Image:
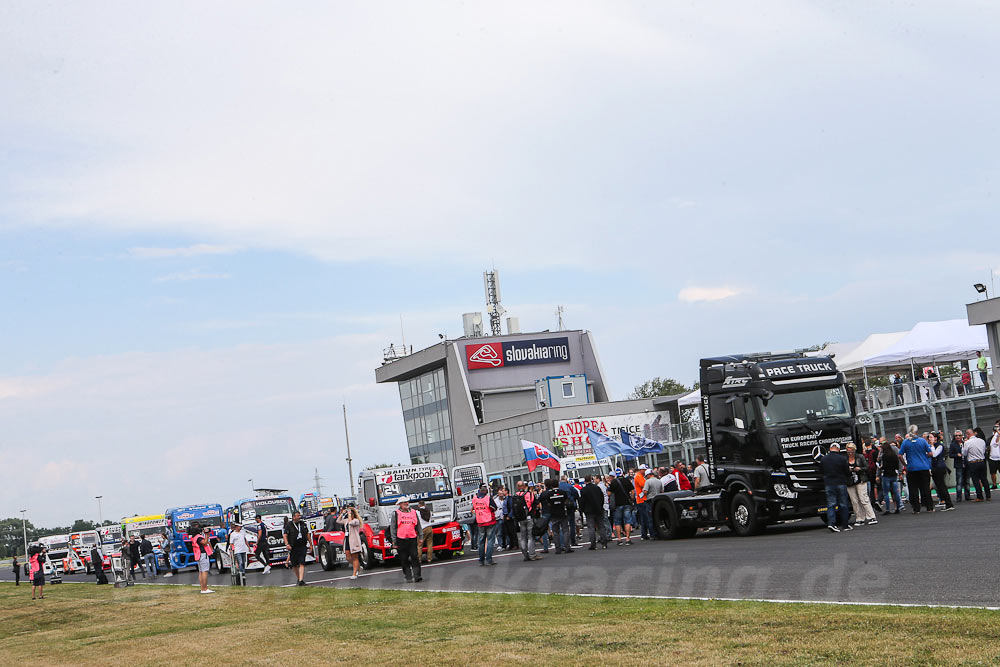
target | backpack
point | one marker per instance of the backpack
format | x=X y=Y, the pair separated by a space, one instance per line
x=519 y=507
x=557 y=504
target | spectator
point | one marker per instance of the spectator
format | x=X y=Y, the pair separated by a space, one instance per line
x=958 y=464
x=642 y=509
x=296 y=536
x=239 y=548
x=857 y=488
x=680 y=474
x=701 y=477
x=17 y=572
x=97 y=561
x=897 y=389
x=426 y=540
x=939 y=470
x=261 y=550
x=202 y=548
x=521 y=509
x=652 y=488
x=404 y=528
x=603 y=483
x=592 y=506
x=621 y=493
x=871 y=458
x=994 y=457
x=484 y=509
x=168 y=564
x=330 y=522
x=541 y=517
x=965 y=387
x=573 y=498
x=135 y=556
x=557 y=502
x=351 y=520
x=836 y=476
x=125 y=553
x=37 y=563
x=503 y=523
x=916 y=456
x=974 y=453
x=148 y=557
x=981 y=366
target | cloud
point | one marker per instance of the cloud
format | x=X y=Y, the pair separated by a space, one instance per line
x=196 y=250
x=191 y=274
x=696 y=294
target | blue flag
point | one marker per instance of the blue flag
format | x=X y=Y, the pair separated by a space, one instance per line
x=639 y=445
x=603 y=446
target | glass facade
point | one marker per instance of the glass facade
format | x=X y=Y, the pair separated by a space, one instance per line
x=425 y=415
x=502 y=449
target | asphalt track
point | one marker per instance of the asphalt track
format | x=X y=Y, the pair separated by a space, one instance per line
x=943 y=558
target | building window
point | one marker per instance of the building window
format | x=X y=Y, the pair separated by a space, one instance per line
x=468 y=449
x=567 y=390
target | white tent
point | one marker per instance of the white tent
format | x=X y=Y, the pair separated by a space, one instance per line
x=932 y=342
x=691 y=400
x=835 y=350
x=869 y=347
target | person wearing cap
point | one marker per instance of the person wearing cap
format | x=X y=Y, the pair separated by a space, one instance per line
x=642 y=509
x=404 y=527
x=836 y=476
x=239 y=548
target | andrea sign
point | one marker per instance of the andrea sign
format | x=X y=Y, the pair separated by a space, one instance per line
x=517 y=353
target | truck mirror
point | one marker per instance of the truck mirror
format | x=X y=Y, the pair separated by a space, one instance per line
x=371 y=502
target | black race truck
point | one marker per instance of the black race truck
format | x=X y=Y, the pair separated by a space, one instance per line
x=767 y=419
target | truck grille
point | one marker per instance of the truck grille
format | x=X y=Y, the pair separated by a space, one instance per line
x=803 y=469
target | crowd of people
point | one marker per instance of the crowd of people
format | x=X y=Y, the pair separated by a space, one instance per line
x=886 y=474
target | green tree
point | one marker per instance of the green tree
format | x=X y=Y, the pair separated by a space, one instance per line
x=81 y=525
x=12 y=538
x=658 y=387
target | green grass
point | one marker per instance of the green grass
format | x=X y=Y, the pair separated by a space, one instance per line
x=86 y=624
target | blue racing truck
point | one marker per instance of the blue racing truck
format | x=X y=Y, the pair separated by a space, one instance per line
x=179 y=520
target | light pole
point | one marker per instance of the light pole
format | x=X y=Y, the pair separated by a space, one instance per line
x=24 y=530
x=100 y=514
x=251 y=483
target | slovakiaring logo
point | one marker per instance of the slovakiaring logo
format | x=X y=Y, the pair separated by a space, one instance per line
x=516 y=353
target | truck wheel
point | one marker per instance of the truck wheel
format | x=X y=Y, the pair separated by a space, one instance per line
x=743 y=516
x=366 y=556
x=218 y=563
x=665 y=520
x=327 y=558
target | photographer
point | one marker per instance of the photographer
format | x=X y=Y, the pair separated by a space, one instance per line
x=37 y=561
x=201 y=545
x=351 y=521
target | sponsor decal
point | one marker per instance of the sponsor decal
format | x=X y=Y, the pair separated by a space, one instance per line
x=517 y=353
x=791 y=369
x=185 y=515
x=735 y=382
x=410 y=474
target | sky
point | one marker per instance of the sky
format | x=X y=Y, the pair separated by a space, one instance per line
x=213 y=218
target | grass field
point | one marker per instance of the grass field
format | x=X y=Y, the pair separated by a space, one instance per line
x=85 y=624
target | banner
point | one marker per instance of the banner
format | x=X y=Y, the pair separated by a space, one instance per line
x=603 y=446
x=571 y=434
x=640 y=445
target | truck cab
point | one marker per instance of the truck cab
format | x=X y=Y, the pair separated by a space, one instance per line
x=381 y=488
x=767 y=418
x=274 y=509
x=82 y=543
x=111 y=541
x=63 y=558
x=179 y=520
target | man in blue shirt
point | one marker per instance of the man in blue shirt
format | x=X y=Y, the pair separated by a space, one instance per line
x=916 y=454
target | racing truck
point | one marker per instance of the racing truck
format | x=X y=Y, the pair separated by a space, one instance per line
x=767 y=419
x=82 y=543
x=327 y=546
x=382 y=488
x=179 y=519
x=274 y=507
x=111 y=540
x=64 y=559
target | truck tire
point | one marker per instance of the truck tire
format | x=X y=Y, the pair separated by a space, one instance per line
x=367 y=562
x=743 y=516
x=667 y=523
x=327 y=555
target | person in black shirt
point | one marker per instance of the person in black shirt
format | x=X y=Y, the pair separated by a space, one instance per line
x=135 y=557
x=836 y=477
x=621 y=491
x=556 y=502
x=592 y=506
x=17 y=572
x=297 y=541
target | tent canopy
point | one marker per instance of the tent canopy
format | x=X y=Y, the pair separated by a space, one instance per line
x=691 y=400
x=837 y=351
x=869 y=347
x=932 y=342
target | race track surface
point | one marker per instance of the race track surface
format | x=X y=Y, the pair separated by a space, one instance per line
x=942 y=558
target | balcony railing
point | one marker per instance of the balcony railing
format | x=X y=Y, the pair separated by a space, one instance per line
x=921 y=392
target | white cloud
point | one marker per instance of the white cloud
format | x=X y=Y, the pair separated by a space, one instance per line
x=191 y=274
x=696 y=294
x=196 y=250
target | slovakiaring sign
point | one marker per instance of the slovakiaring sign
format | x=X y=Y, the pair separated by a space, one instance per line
x=571 y=434
x=517 y=353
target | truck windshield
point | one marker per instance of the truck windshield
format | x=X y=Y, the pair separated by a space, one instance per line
x=268 y=507
x=88 y=540
x=182 y=525
x=58 y=546
x=805 y=406
x=147 y=530
x=414 y=489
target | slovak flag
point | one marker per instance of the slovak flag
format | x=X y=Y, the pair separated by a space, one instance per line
x=536 y=455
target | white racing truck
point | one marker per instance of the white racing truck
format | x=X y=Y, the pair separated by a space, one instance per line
x=449 y=499
x=64 y=559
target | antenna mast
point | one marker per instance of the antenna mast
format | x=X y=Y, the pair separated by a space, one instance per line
x=491 y=285
x=319 y=489
x=347 y=439
x=559 y=319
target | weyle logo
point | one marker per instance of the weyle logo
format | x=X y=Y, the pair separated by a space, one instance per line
x=735 y=381
x=486 y=355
